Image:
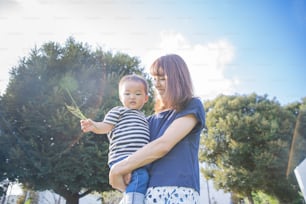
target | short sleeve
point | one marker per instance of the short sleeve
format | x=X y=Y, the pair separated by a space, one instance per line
x=195 y=107
x=113 y=116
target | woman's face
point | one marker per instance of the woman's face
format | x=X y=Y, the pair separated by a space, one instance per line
x=160 y=83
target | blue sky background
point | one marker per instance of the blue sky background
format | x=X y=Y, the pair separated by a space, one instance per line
x=230 y=46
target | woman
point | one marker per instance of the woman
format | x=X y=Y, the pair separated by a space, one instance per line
x=175 y=131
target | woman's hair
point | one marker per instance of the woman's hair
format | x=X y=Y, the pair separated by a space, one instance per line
x=135 y=78
x=179 y=88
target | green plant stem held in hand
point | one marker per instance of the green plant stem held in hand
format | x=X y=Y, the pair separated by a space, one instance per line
x=74 y=109
x=76 y=112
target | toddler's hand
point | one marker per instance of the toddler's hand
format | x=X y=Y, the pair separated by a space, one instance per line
x=86 y=125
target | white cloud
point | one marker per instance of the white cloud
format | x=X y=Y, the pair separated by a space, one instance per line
x=207 y=62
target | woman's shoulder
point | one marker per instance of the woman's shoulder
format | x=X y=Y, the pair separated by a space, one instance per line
x=194 y=106
x=195 y=101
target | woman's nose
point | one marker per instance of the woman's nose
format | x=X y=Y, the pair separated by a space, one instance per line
x=157 y=82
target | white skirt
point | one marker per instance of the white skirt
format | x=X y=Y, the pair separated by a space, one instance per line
x=171 y=195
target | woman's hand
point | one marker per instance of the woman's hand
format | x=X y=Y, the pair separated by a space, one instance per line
x=127 y=178
x=118 y=180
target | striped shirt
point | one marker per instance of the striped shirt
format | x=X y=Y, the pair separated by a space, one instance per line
x=130 y=132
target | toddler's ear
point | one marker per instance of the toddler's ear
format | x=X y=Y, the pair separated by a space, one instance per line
x=147 y=98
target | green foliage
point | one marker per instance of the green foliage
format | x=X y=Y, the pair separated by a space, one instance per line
x=111 y=197
x=260 y=197
x=44 y=145
x=246 y=146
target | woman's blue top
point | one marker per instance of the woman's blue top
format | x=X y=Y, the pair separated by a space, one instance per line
x=180 y=167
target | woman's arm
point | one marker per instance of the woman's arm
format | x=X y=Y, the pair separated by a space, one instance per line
x=152 y=151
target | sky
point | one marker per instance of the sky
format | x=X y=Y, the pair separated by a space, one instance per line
x=230 y=46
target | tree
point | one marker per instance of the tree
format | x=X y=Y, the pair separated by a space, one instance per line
x=246 y=145
x=297 y=149
x=47 y=149
x=4 y=171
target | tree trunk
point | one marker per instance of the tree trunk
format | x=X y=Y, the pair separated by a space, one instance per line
x=250 y=198
x=72 y=199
